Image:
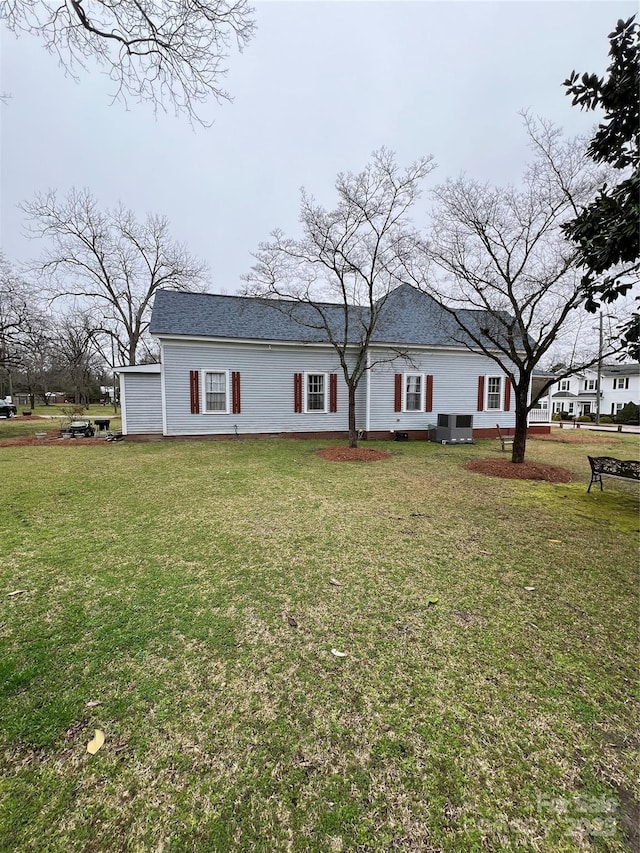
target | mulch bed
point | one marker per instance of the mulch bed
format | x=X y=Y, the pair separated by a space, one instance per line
x=352 y=454
x=523 y=471
x=574 y=437
x=52 y=437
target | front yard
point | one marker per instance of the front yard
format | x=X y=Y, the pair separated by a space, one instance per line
x=187 y=599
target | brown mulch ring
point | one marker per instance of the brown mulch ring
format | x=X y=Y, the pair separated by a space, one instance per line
x=523 y=471
x=52 y=437
x=575 y=436
x=352 y=454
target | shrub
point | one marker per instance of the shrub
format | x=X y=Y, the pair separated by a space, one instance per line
x=605 y=419
x=584 y=419
x=629 y=414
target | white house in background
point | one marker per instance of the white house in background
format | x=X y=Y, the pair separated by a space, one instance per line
x=578 y=394
x=233 y=365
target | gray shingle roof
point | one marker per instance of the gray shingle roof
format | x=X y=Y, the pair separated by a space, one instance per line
x=631 y=369
x=408 y=317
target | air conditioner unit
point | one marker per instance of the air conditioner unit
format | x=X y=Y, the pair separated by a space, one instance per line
x=454 y=429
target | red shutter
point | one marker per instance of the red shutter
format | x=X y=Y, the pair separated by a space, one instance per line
x=235 y=392
x=480 y=393
x=333 y=392
x=397 y=402
x=297 y=392
x=428 y=394
x=507 y=393
x=194 y=389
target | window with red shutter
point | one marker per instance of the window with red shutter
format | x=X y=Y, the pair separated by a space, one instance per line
x=194 y=390
x=428 y=394
x=235 y=392
x=333 y=392
x=480 y=393
x=397 y=397
x=507 y=394
x=297 y=392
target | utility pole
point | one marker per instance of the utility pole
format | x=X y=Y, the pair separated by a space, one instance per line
x=113 y=376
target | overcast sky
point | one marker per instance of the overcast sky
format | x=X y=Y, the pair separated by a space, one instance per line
x=320 y=87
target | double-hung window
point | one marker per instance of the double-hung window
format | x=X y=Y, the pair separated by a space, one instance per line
x=216 y=394
x=589 y=384
x=621 y=382
x=315 y=398
x=413 y=392
x=494 y=392
x=564 y=385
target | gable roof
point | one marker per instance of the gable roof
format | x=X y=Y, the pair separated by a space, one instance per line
x=631 y=369
x=407 y=317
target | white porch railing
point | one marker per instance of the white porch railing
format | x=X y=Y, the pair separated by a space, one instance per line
x=539 y=416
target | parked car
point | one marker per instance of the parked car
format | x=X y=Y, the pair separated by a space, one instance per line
x=7 y=409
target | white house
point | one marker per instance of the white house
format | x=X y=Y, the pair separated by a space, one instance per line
x=578 y=394
x=233 y=365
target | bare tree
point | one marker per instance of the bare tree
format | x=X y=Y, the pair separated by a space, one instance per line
x=76 y=362
x=501 y=251
x=17 y=307
x=337 y=276
x=110 y=264
x=173 y=52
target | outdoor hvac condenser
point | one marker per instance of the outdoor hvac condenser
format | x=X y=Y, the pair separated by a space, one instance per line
x=454 y=429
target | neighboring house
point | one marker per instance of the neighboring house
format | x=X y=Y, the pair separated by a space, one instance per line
x=540 y=412
x=577 y=395
x=233 y=365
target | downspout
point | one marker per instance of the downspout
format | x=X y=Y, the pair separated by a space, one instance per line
x=163 y=396
x=367 y=416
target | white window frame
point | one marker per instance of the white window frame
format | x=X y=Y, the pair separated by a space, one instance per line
x=564 y=385
x=227 y=408
x=621 y=383
x=500 y=406
x=305 y=392
x=589 y=384
x=405 y=377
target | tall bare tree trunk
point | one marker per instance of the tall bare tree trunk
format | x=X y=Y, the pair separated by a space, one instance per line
x=353 y=433
x=520 y=434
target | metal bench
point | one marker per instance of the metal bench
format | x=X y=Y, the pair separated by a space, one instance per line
x=607 y=466
x=505 y=440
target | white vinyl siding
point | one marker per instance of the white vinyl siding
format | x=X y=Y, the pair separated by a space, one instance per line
x=142 y=397
x=455 y=389
x=267 y=386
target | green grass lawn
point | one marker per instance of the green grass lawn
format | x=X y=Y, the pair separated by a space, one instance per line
x=156 y=581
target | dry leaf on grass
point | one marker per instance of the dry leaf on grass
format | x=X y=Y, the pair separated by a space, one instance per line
x=92 y=703
x=555 y=541
x=529 y=588
x=15 y=592
x=334 y=582
x=94 y=745
x=432 y=599
x=338 y=654
x=292 y=621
